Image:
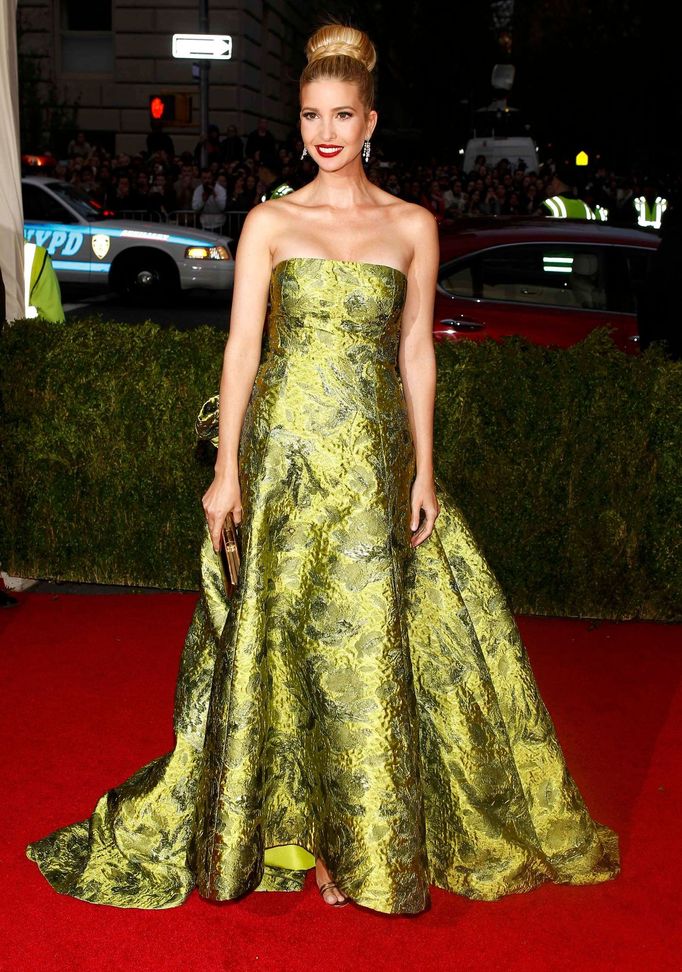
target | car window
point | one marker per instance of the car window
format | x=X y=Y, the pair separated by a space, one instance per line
x=41 y=206
x=551 y=274
x=78 y=200
x=638 y=269
x=458 y=279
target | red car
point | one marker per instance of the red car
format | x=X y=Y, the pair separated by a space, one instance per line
x=550 y=281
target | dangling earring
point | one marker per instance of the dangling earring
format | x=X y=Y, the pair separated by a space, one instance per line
x=304 y=153
x=366 y=150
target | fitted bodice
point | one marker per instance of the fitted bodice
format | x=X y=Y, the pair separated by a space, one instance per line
x=330 y=371
x=336 y=305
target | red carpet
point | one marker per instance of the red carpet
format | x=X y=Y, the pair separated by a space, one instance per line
x=88 y=699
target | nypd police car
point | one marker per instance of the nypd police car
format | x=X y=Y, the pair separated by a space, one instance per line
x=134 y=258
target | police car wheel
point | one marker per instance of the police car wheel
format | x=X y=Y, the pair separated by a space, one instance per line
x=146 y=276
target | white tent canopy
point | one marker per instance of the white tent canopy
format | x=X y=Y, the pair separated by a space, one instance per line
x=11 y=214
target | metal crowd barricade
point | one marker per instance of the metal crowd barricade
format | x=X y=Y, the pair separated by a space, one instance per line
x=184 y=217
x=142 y=215
x=232 y=222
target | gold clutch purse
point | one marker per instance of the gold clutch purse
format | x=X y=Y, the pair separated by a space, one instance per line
x=230 y=554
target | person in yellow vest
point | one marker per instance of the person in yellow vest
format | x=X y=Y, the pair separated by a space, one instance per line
x=649 y=208
x=270 y=175
x=42 y=295
x=561 y=201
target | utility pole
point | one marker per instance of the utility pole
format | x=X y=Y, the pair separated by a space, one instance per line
x=203 y=83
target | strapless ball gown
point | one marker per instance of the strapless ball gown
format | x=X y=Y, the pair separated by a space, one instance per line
x=358 y=698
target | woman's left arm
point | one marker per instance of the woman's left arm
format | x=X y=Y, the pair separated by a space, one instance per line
x=417 y=362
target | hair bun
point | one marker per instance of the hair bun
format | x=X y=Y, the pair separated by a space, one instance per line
x=337 y=39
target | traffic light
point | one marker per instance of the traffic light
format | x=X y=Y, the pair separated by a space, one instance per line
x=175 y=109
x=162 y=108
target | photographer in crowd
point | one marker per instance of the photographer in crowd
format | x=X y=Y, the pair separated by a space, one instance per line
x=209 y=201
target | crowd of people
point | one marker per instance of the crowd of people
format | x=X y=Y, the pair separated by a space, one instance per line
x=233 y=173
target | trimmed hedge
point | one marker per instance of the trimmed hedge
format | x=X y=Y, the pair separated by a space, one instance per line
x=564 y=461
x=567 y=464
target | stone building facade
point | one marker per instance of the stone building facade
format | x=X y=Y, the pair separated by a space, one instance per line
x=111 y=56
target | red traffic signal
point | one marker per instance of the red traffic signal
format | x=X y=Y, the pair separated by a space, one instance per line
x=162 y=107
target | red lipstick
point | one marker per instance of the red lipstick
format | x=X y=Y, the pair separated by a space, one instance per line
x=329 y=151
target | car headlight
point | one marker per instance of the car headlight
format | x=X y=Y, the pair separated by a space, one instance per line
x=207 y=253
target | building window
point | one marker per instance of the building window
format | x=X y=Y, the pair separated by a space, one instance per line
x=87 y=40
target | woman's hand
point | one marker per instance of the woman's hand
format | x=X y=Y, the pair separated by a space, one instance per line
x=423 y=498
x=223 y=496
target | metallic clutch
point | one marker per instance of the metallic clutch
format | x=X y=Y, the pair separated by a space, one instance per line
x=230 y=554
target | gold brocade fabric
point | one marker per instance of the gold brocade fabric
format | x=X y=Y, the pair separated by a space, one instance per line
x=358 y=698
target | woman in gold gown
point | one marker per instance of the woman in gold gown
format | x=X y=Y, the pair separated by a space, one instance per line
x=364 y=704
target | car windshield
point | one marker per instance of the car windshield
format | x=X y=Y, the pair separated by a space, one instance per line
x=84 y=206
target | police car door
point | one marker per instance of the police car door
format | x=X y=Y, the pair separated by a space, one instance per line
x=50 y=224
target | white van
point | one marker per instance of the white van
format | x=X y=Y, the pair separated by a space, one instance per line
x=514 y=148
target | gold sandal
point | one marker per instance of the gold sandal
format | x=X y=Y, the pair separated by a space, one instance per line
x=325 y=887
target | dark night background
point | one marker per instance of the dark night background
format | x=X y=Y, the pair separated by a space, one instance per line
x=600 y=75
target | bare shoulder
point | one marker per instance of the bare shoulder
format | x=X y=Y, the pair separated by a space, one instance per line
x=263 y=222
x=259 y=218
x=417 y=219
x=290 y=202
x=402 y=213
x=417 y=227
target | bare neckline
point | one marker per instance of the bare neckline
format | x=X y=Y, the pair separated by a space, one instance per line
x=356 y=263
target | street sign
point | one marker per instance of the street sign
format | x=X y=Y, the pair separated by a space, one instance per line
x=215 y=47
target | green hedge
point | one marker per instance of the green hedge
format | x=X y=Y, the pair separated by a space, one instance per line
x=565 y=462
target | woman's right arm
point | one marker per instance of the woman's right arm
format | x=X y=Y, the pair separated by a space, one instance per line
x=240 y=364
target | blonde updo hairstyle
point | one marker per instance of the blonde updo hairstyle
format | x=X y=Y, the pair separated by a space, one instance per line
x=339 y=53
